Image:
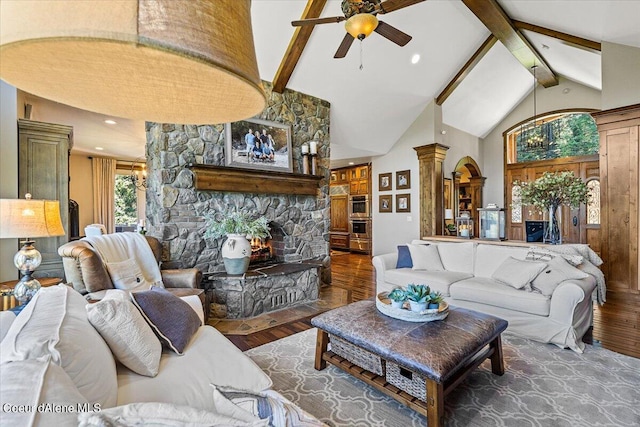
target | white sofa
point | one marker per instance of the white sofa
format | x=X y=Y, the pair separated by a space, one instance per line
x=562 y=318
x=51 y=354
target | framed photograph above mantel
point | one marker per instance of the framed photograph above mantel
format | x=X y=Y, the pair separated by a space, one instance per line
x=258 y=144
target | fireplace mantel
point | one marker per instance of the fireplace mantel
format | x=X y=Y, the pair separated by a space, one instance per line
x=238 y=180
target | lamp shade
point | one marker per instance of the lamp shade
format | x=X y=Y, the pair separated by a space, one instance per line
x=168 y=61
x=361 y=25
x=20 y=218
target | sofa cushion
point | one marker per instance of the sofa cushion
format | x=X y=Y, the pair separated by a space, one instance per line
x=129 y=336
x=484 y=290
x=55 y=325
x=438 y=281
x=425 y=257
x=210 y=358
x=556 y=271
x=404 y=257
x=172 y=319
x=34 y=382
x=489 y=257
x=517 y=273
x=457 y=256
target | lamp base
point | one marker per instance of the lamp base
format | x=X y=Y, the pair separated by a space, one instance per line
x=26 y=288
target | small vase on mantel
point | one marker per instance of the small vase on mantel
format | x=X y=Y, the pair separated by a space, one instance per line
x=236 y=254
x=553 y=231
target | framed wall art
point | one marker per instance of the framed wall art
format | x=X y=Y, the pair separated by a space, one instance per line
x=386 y=203
x=403 y=180
x=258 y=144
x=448 y=188
x=403 y=202
x=385 y=182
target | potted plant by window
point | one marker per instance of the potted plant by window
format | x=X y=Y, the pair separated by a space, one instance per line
x=418 y=296
x=548 y=193
x=238 y=227
x=397 y=296
x=435 y=298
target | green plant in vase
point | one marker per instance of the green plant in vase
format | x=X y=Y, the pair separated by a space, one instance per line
x=435 y=298
x=418 y=296
x=238 y=227
x=397 y=296
x=548 y=193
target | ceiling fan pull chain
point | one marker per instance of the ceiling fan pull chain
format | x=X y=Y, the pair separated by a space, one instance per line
x=361 y=66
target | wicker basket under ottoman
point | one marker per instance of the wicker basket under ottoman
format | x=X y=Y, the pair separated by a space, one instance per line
x=406 y=380
x=357 y=355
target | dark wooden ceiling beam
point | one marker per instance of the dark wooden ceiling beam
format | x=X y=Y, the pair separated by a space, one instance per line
x=498 y=22
x=569 y=38
x=296 y=45
x=466 y=69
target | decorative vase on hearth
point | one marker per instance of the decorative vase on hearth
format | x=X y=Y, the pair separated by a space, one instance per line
x=552 y=232
x=236 y=254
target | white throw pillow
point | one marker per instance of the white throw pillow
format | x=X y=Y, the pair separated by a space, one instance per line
x=54 y=325
x=517 y=273
x=425 y=257
x=34 y=382
x=127 y=275
x=556 y=271
x=160 y=414
x=129 y=336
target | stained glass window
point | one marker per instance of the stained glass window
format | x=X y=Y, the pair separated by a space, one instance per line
x=593 y=207
x=516 y=205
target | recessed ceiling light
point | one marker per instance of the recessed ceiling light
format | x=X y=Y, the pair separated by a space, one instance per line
x=351 y=163
x=110 y=122
x=415 y=58
x=99 y=148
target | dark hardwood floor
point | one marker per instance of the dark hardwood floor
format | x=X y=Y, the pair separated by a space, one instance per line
x=351 y=272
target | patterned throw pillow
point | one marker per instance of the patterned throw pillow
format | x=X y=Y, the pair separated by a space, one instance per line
x=172 y=319
x=556 y=271
x=541 y=254
x=264 y=405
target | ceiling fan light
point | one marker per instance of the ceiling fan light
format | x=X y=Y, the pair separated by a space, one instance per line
x=153 y=60
x=361 y=25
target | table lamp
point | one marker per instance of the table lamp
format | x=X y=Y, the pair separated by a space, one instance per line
x=34 y=218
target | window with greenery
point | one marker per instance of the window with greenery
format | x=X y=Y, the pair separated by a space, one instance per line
x=126 y=201
x=552 y=137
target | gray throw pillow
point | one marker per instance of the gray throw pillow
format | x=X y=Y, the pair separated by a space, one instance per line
x=556 y=271
x=517 y=273
x=173 y=320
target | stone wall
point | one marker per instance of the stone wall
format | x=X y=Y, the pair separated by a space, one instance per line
x=175 y=210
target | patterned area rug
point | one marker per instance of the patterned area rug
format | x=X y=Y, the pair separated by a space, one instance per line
x=543 y=386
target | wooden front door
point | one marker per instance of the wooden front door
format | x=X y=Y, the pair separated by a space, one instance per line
x=575 y=228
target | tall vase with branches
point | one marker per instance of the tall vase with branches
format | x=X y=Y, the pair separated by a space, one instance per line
x=551 y=191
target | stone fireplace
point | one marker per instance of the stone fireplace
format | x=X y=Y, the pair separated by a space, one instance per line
x=299 y=223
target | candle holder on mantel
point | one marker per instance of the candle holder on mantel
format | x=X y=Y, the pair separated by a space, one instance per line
x=305 y=158
x=314 y=163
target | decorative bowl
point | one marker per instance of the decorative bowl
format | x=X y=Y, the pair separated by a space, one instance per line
x=383 y=304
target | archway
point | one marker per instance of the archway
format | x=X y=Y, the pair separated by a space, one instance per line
x=467 y=189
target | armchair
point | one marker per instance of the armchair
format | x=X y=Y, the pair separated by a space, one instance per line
x=85 y=270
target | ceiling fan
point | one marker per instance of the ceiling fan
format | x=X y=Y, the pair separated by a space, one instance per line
x=362 y=21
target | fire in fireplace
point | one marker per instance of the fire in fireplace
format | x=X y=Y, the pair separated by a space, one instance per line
x=268 y=250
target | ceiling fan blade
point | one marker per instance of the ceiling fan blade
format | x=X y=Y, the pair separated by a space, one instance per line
x=391 y=5
x=392 y=33
x=347 y=41
x=315 y=21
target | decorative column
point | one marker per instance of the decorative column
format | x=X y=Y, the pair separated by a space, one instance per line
x=431 y=157
x=476 y=183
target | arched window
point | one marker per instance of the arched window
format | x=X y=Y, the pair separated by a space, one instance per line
x=516 y=204
x=593 y=207
x=553 y=136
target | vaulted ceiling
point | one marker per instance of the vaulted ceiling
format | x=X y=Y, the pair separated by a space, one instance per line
x=371 y=108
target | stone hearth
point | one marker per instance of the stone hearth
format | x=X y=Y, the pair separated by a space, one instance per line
x=262 y=290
